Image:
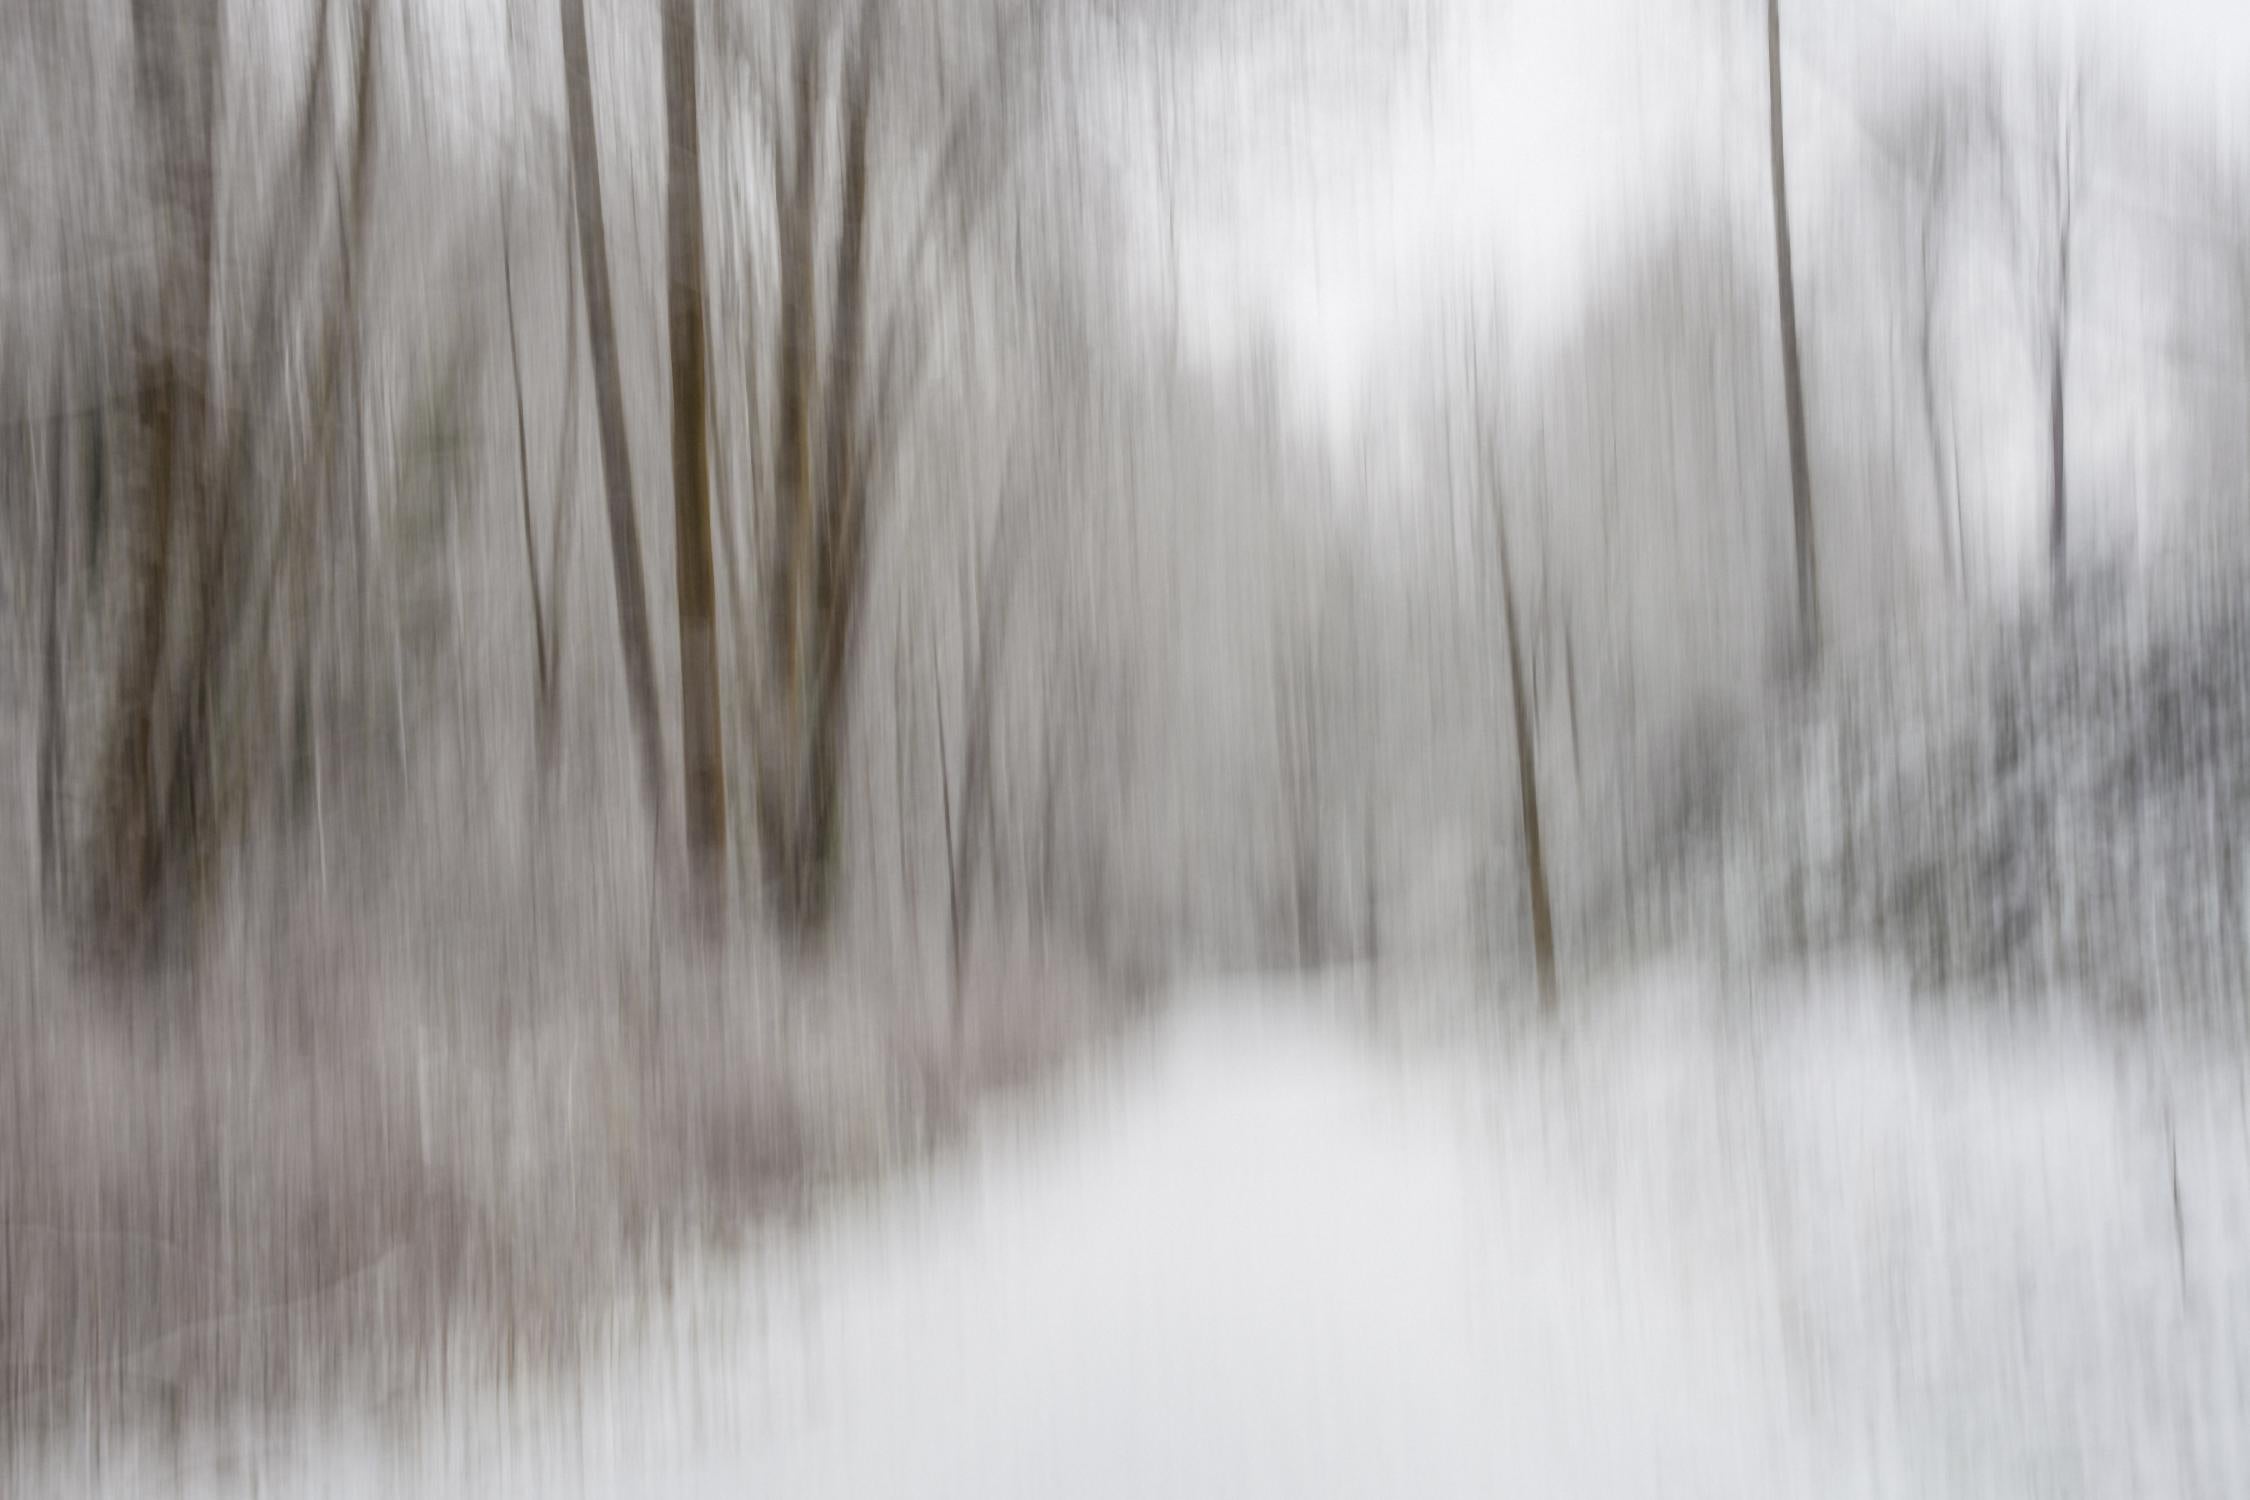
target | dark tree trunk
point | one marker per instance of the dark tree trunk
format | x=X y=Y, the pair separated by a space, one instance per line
x=142 y=824
x=542 y=683
x=703 y=759
x=955 y=917
x=1792 y=368
x=817 y=562
x=609 y=402
x=1527 y=790
x=54 y=863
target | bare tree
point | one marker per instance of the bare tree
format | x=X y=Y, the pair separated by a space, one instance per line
x=176 y=74
x=1527 y=778
x=703 y=774
x=541 y=639
x=2061 y=230
x=1934 y=167
x=1792 y=367
x=609 y=403
x=1521 y=713
x=193 y=721
x=65 y=483
x=988 y=604
x=1302 y=726
x=2039 y=183
x=838 y=412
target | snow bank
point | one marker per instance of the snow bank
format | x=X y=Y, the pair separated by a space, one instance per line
x=1686 y=1246
x=2056 y=807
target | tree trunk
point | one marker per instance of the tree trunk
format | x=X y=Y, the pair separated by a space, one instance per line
x=817 y=560
x=562 y=532
x=1792 y=369
x=2058 y=516
x=973 y=854
x=901 y=718
x=1948 y=505
x=794 y=852
x=609 y=402
x=140 y=829
x=54 y=865
x=1370 y=890
x=542 y=684
x=703 y=762
x=1960 y=526
x=1527 y=789
x=956 y=919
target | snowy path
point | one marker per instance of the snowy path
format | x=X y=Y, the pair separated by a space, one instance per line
x=1259 y=1255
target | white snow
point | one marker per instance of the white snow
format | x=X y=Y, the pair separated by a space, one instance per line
x=1679 y=1247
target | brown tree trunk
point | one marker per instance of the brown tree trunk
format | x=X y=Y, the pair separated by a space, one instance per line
x=1792 y=369
x=1527 y=790
x=703 y=761
x=609 y=402
x=175 y=78
x=816 y=564
x=792 y=851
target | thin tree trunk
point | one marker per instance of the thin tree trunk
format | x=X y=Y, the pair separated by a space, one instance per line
x=973 y=853
x=1527 y=788
x=1570 y=690
x=563 y=532
x=841 y=571
x=53 y=730
x=955 y=921
x=1947 y=505
x=787 y=730
x=703 y=759
x=2058 y=344
x=2058 y=518
x=1050 y=835
x=542 y=684
x=1370 y=895
x=1960 y=525
x=609 y=401
x=1792 y=369
x=900 y=699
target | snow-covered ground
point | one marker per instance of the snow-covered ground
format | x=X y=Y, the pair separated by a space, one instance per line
x=1677 y=1248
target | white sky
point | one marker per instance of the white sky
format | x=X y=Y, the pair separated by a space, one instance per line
x=1501 y=147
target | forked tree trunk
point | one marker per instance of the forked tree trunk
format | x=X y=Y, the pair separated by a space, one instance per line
x=817 y=563
x=609 y=402
x=703 y=762
x=1792 y=369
